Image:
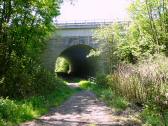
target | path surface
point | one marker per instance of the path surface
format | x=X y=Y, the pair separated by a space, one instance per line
x=82 y=109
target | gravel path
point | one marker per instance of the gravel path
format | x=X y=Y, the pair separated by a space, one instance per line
x=83 y=109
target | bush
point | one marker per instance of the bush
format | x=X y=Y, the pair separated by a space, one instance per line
x=102 y=80
x=8 y=109
x=25 y=78
x=13 y=112
x=45 y=82
x=17 y=81
x=144 y=84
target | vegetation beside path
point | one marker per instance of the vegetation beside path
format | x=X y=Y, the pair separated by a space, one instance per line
x=142 y=114
x=13 y=112
x=27 y=89
x=120 y=107
x=106 y=94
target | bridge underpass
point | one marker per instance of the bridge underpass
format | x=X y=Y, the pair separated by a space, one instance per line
x=67 y=41
x=81 y=64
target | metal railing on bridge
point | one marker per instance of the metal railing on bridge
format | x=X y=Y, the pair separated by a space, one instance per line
x=88 y=23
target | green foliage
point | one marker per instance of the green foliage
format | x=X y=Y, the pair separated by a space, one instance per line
x=13 y=112
x=145 y=35
x=102 y=80
x=25 y=25
x=107 y=46
x=153 y=118
x=106 y=94
x=26 y=78
x=62 y=65
x=151 y=17
x=24 y=28
x=144 y=84
x=113 y=100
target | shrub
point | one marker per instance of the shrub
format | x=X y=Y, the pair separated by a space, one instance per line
x=13 y=112
x=102 y=80
x=25 y=78
x=45 y=82
x=144 y=84
x=17 y=81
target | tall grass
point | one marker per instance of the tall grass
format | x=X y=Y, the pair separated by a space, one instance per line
x=140 y=83
x=145 y=84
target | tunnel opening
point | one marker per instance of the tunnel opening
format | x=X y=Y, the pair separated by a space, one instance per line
x=76 y=62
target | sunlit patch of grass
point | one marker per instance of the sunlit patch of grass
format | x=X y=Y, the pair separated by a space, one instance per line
x=85 y=84
x=13 y=112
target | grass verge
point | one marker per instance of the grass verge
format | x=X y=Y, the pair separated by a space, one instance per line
x=105 y=94
x=13 y=112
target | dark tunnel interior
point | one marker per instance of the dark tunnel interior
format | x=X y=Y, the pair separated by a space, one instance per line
x=81 y=65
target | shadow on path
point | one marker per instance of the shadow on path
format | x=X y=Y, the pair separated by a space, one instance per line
x=82 y=109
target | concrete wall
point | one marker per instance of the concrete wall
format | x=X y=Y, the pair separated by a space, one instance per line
x=76 y=32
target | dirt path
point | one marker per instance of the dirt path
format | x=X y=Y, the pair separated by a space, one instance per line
x=83 y=109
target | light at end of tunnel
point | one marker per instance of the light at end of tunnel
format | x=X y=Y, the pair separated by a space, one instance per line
x=62 y=65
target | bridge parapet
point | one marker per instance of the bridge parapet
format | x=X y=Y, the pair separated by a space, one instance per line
x=87 y=24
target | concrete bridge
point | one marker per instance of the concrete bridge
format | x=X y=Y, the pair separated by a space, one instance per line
x=73 y=41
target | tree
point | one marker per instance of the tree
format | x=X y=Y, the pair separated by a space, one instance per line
x=107 y=37
x=146 y=35
x=151 y=18
x=24 y=25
